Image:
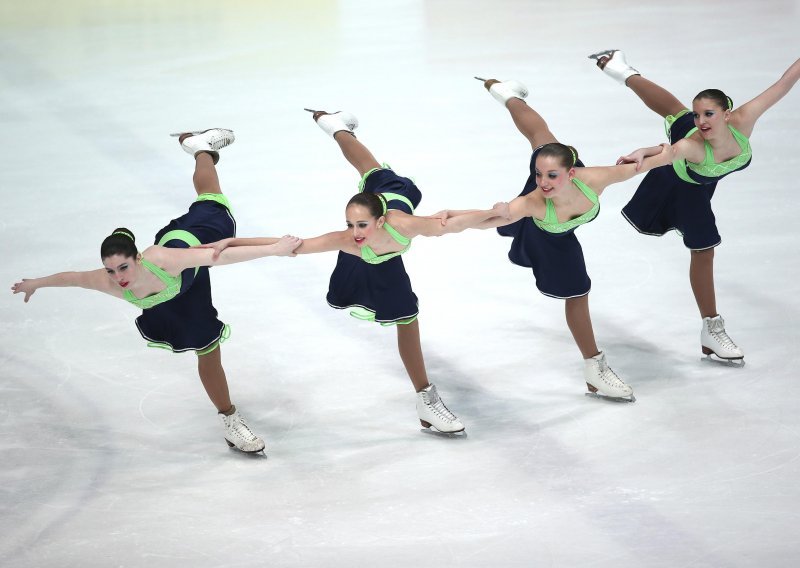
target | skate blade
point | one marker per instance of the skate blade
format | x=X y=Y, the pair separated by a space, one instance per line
x=610 y=398
x=460 y=435
x=715 y=359
x=481 y=79
x=604 y=53
x=256 y=453
x=196 y=132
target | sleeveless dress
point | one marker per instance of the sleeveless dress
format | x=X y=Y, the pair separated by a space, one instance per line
x=182 y=317
x=377 y=287
x=549 y=248
x=678 y=197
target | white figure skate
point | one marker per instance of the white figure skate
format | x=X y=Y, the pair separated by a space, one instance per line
x=603 y=382
x=613 y=64
x=715 y=341
x=209 y=141
x=238 y=435
x=334 y=122
x=433 y=412
x=503 y=91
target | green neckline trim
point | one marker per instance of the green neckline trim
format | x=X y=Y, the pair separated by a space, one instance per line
x=550 y=222
x=708 y=167
x=369 y=256
x=172 y=288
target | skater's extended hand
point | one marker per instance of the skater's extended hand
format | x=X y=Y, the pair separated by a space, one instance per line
x=286 y=245
x=442 y=215
x=218 y=247
x=26 y=287
x=635 y=157
x=502 y=209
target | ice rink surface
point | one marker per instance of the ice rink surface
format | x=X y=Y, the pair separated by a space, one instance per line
x=111 y=453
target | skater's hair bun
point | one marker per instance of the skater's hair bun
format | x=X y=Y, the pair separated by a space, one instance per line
x=374 y=202
x=723 y=100
x=567 y=155
x=120 y=241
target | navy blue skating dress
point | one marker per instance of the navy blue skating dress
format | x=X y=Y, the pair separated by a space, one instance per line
x=377 y=287
x=182 y=317
x=678 y=197
x=551 y=249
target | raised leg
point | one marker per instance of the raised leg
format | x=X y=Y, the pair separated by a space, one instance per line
x=356 y=153
x=340 y=126
x=657 y=98
x=511 y=94
x=205 y=176
x=530 y=123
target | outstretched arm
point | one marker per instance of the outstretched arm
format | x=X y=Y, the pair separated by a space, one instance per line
x=91 y=280
x=337 y=240
x=456 y=221
x=175 y=260
x=637 y=162
x=745 y=117
x=509 y=213
x=323 y=243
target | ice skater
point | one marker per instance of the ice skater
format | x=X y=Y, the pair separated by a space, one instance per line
x=369 y=278
x=708 y=143
x=559 y=196
x=170 y=282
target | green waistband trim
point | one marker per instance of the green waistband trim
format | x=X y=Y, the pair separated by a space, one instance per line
x=397 y=197
x=180 y=235
x=185 y=236
x=217 y=197
x=363 y=180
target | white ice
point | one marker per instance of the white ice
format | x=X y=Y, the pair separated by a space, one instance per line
x=111 y=453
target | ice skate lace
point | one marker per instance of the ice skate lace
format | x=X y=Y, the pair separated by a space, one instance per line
x=439 y=409
x=717 y=331
x=242 y=430
x=442 y=411
x=219 y=140
x=608 y=376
